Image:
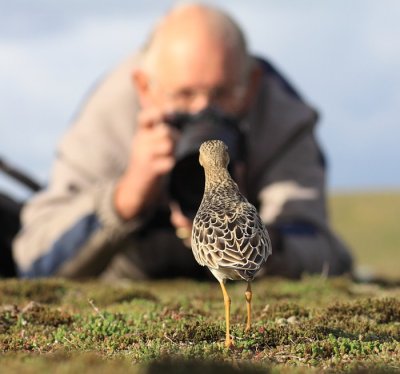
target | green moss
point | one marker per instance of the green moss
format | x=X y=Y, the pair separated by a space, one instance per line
x=39 y=314
x=384 y=310
x=42 y=291
x=104 y=296
x=324 y=325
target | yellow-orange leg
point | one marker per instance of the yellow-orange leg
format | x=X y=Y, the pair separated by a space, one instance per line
x=227 y=302
x=248 y=294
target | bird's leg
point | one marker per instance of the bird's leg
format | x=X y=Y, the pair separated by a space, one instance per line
x=248 y=294
x=227 y=302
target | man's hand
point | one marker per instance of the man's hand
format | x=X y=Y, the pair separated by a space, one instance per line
x=182 y=224
x=152 y=157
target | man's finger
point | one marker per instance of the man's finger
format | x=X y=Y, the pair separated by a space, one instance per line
x=150 y=117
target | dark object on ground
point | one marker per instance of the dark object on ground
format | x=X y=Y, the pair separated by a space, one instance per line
x=10 y=210
x=9 y=226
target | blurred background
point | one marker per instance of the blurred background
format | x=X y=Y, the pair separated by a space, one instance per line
x=342 y=56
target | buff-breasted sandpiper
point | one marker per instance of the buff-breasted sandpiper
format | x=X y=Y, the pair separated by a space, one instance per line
x=228 y=235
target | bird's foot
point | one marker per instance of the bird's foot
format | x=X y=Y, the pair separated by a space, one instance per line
x=229 y=343
x=247 y=329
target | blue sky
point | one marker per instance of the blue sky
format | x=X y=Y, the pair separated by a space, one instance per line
x=343 y=56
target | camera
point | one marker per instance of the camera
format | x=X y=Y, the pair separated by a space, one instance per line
x=186 y=184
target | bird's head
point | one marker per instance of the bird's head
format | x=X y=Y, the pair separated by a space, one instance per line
x=214 y=153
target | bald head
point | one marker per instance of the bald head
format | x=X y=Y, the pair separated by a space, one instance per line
x=197 y=33
x=196 y=57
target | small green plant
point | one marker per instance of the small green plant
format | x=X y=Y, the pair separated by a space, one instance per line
x=332 y=325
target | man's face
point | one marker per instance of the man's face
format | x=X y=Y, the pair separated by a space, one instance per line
x=189 y=76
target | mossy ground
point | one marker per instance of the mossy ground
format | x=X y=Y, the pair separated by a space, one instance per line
x=316 y=324
x=178 y=326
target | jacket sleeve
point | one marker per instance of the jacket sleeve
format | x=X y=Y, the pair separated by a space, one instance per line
x=293 y=204
x=71 y=228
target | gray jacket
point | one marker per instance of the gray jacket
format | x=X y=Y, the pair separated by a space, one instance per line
x=71 y=228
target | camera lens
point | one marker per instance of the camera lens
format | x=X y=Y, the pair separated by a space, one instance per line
x=187 y=177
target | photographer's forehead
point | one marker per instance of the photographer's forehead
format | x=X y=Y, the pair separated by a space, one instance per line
x=196 y=45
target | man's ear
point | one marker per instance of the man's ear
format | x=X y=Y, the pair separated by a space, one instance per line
x=141 y=82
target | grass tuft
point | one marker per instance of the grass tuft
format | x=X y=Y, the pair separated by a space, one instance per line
x=323 y=325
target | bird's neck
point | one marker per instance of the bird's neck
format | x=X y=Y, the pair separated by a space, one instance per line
x=216 y=177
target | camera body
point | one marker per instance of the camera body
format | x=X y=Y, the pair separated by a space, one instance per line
x=186 y=184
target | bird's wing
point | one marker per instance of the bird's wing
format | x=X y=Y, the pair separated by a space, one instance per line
x=234 y=239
